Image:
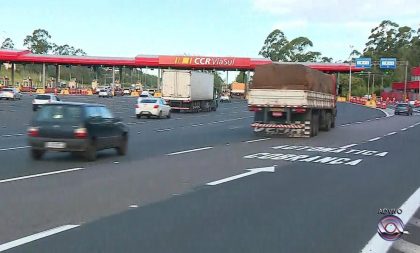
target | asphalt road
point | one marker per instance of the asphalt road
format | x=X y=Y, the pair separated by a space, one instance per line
x=156 y=199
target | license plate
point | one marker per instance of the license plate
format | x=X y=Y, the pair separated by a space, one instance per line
x=277 y=114
x=55 y=145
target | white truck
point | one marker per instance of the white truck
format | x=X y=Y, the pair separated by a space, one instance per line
x=292 y=100
x=189 y=91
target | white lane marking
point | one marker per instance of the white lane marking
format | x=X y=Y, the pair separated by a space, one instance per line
x=346 y=125
x=133 y=206
x=189 y=151
x=411 y=126
x=375 y=139
x=406 y=247
x=404 y=129
x=196 y=125
x=349 y=146
x=377 y=118
x=18 y=135
x=235 y=127
x=391 y=133
x=14 y=148
x=257 y=140
x=164 y=130
x=40 y=175
x=250 y=172
x=358 y=122
x=377 y=244
x=35 y=237
x=6 y=135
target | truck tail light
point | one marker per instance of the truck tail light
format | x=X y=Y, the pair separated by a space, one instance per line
x=80 y=133
x=156 y=106
x=33 y=131
x=299 y=110
x=254 y=109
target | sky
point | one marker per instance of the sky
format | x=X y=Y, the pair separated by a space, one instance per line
x=200 y=27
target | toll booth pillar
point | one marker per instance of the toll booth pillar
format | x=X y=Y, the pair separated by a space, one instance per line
x=113 y=77
x=121 y=76
x=43 y=75
x=13 y=74
x=57 y=75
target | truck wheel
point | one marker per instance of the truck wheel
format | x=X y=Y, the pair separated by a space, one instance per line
x=314 y=125
x=333 y=123
x=37 y=154
x=328 y=123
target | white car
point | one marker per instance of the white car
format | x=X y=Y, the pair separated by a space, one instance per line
x=105 y=93
x=225 y=98
x=127 y=91
x=10 y=93
x=42 y=99
x=152 y=107
x=145 y=94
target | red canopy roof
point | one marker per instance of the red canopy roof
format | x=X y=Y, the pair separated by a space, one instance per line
x=158 y=61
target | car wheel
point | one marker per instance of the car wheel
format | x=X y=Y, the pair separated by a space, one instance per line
x=148 y=116
x=160 y=115
x=138 y=116
x=169 y=115
x=122 y=149
x=90 y=152
x=37 y=154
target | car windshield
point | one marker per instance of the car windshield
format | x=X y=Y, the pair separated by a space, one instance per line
x=402 y=105
x=148 y=101
x=43 y=97
x=59 y=113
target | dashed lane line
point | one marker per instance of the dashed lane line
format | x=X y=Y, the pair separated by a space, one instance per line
x=39 y=175
x=404 y=129
x=35 y=237
x=188 y=151
x=349 y=146
x=164 y=130
x=258 y=140
x=391 y=133
x=14 y=148
x=375 y=139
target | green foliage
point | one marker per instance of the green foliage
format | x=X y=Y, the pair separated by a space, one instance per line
x=38 y=42
x=7 y=44
x=218 y=81
x=67 y=50
x=278 y=48
x=241 y=77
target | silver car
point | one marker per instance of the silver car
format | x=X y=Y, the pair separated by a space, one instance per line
x=10 y=93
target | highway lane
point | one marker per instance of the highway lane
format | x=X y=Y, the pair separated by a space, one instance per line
x=105 y=188
x=283 y=211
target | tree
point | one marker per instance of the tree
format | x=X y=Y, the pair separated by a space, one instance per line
x=7 y=44
x=66 y=50
x=278 y=48
x=38 y=42
x=218 y=81
x=241 y=77
x=326 y=59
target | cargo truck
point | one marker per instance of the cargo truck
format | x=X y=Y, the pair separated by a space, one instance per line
x=292 y=100
x=189 y=91
x=238 y=90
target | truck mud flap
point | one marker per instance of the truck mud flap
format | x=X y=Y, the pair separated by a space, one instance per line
x=297 y=129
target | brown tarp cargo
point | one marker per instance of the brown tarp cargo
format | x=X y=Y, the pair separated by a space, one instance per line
x=292 y=77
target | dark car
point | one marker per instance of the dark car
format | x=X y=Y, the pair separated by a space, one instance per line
x=76 y=127
x=118 y=92
x=403 y=108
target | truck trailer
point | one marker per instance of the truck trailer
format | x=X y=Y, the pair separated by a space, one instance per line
x=189 y=91
x=292 y=100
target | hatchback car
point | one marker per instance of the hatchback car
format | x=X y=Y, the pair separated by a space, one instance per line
x=78 y=128
x=225 y=98
x=146 y=94
x=42 y=99
x=403 y=108
x=10 y=93
x=152 y=107
x=105 y=93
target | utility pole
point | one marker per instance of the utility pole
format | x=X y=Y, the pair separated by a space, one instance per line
x=405 y=81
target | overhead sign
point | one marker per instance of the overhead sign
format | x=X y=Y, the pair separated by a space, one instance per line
x=388 y=63
x=204 y=61
x=363 y=63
